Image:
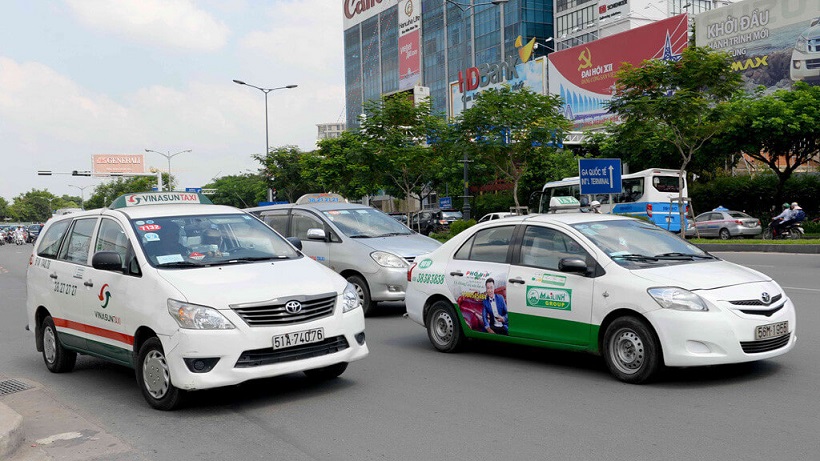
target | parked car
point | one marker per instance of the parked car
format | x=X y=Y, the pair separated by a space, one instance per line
x=806 y=54
x=724 y=224
x=400 y=217
x=365 y=245
x=33 y=232
x=428 y=221
x=497 y=215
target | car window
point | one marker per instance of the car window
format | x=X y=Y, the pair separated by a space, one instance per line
x=79 y=241
x=544 y=248
x=111 y=237
x=365 y=223
x=703 y=217
x=278 y=221
x=488 y=245
x=50 y=242
x=738 y=214
x=301 y=222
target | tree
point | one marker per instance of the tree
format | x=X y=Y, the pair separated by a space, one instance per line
x=283 y=172
x=678 y=101
x=4 y=209
x=241 y=191
x=34 y=206
x=511 y=129
x=105 y=193
x=396 y=131
x=779 y=129
x=343 y=165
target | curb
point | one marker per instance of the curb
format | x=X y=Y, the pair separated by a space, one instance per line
x=11 y=431
x=764 y=248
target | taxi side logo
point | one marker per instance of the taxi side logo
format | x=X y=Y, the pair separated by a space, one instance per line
x=134 y=199
x=425 y=263
x=104 y=296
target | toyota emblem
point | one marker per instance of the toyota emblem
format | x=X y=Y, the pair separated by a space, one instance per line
x=293 y=307
x=765 y=298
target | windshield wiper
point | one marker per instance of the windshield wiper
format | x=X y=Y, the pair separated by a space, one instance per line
x=391 y=234
x=180 y=264
x=634 y=257
x=676 y=255
x=361 y=236
x=247 y=260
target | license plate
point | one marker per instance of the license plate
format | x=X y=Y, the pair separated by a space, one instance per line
x=298 y=338
x=772 y=330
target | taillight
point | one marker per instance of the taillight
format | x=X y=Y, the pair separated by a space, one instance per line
x=649 y=209
x=737 y=221
x=410 y=272
x=31 y=260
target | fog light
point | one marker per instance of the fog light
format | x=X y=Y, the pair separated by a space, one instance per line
x=360 y=338
x=394 y=288
x=797 y=64
x=201 y=365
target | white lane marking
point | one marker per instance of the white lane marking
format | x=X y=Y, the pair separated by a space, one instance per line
x=56 y=437
x=801 y=288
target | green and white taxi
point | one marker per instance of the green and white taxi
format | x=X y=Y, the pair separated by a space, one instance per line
x=616 y=286
x=190 y=294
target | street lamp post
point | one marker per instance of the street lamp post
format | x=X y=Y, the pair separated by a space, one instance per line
x=169 y=156
x=266 y=91
x=465 y=207
x=82 y=195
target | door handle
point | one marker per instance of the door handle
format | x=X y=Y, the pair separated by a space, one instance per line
x=88 y=283
x=54 y=276
x=456 y=274
x=516 y=280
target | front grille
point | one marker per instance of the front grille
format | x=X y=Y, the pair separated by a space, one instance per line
x=766 y=345
x=274 y=313
x=268 y=356
x=812 y=64
x=756 y=302
x=764 y=312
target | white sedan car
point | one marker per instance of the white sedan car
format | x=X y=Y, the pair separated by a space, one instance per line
x=623 y=288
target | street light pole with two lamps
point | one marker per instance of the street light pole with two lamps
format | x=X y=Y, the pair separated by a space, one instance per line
x=82 y=194
x=169 y=156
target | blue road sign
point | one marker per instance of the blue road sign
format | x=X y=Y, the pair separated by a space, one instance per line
x=445 y=202
x=600 y=175
x=198 y=190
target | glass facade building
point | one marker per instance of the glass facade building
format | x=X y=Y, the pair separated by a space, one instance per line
x=455 y=35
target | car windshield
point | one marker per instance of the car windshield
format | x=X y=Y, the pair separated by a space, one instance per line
x=208 y=240
x=638 y=244
x=451 y=214
x=366 y=223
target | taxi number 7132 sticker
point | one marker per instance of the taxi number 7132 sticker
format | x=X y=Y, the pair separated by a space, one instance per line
x=298 y=338
x=771 y=330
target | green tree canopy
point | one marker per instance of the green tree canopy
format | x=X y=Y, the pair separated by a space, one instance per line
x=36 y=206
x=105 y=193
x=241 y=191
x=282 y=169
x=343 y=165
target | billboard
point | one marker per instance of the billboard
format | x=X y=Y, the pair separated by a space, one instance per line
x=584 y=75
x=409 y=43
x=773 y=42
x=117 y=163
x=474 y=80
x=356 y=11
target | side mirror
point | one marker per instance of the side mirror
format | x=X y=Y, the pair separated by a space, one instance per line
x=575 y=265
x=316 y=234
x=107 y=261
x=296 y=242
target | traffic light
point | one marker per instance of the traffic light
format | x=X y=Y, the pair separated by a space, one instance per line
x=273 y=195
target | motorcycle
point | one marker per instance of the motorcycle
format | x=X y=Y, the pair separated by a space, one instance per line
x=793 y=231
x=19 y=239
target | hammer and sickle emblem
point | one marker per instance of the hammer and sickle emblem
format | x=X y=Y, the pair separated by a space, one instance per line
x=586 y=59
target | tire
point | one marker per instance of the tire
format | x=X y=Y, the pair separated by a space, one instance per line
x=327 y=373
x=794 y=234
x=154 y=377
x=368 y=305
x=724 y=234
x=444 y=327
x=767 y=234
x=631 y=351
x=58 y=359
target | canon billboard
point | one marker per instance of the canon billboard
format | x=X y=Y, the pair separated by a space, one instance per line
x=584 y=75
x=773 y=42
x=356 y=11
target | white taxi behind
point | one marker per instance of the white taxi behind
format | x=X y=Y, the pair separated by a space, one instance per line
x=623 y=288
x=191 y=295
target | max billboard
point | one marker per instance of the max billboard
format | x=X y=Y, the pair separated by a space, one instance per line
x=773 y=42
x=584 y=75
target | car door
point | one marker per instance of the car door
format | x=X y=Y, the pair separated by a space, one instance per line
x=300 y=222
x=546 y=303
x=480 y=266
x=42 y=283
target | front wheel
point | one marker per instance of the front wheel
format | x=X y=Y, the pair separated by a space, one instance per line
x=58 y=359
x=631 y=351
x=767 y=234
x=368 y=305
x=154 y=377
x=444 y=327
x=326 y=373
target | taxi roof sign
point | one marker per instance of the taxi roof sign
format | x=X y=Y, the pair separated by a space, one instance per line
x=159 y=198
x=320 y=198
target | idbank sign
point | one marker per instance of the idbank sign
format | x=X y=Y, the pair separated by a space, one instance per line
x=356 y=11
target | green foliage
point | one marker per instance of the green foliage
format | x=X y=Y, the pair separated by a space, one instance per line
x=343 y=165
x=35 y=206
x=460 y=225
x=241 y=191
x=493 y=202
x=282 y=168
x=4 y=209
x=104 y=194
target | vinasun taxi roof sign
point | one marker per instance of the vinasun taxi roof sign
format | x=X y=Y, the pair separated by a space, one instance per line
x=159 y=198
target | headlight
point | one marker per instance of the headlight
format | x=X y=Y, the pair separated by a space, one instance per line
x=802 y=44
x=194 y=317
x=678 y=299
x=350 y=299
x=386 y=259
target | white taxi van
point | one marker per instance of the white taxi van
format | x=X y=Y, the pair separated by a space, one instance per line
x=190 y=294
x=611 y=285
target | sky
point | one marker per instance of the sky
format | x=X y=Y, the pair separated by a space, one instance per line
x=85 y=77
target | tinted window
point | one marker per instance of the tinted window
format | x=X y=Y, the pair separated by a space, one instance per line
x=665 y=183
x=738 y=214
x=302 y=222
x=278 y=221
x=543 y=247
x=79 y=241
x=50 y=241
x=489 y=245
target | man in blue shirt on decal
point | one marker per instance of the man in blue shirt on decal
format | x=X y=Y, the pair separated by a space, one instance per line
x=495 y=310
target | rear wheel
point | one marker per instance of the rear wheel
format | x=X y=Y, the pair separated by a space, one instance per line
x=368 y=305
x=794 y=234
x=631 y=351
x=767 y=234
x=154 y=377
x=329 y=372
x=444 y=327
x=58 y=359
x=724 y=234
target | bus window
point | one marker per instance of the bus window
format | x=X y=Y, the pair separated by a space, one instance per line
x=665 y=183
x=631 y=190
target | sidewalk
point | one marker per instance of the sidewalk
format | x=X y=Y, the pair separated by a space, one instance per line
x=35 y=426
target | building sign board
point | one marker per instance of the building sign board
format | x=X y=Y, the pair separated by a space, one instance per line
x=117 y=163
x=356 y=11
x=409 y=44
x=517 y=74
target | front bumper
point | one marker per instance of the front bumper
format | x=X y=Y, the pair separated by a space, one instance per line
x=234 y=347
x=387 y=284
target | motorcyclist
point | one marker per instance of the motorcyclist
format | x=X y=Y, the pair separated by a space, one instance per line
x=595 y=206
x=19 y=234
x=785 y=219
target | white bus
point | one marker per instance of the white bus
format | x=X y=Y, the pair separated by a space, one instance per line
x=651 y=194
